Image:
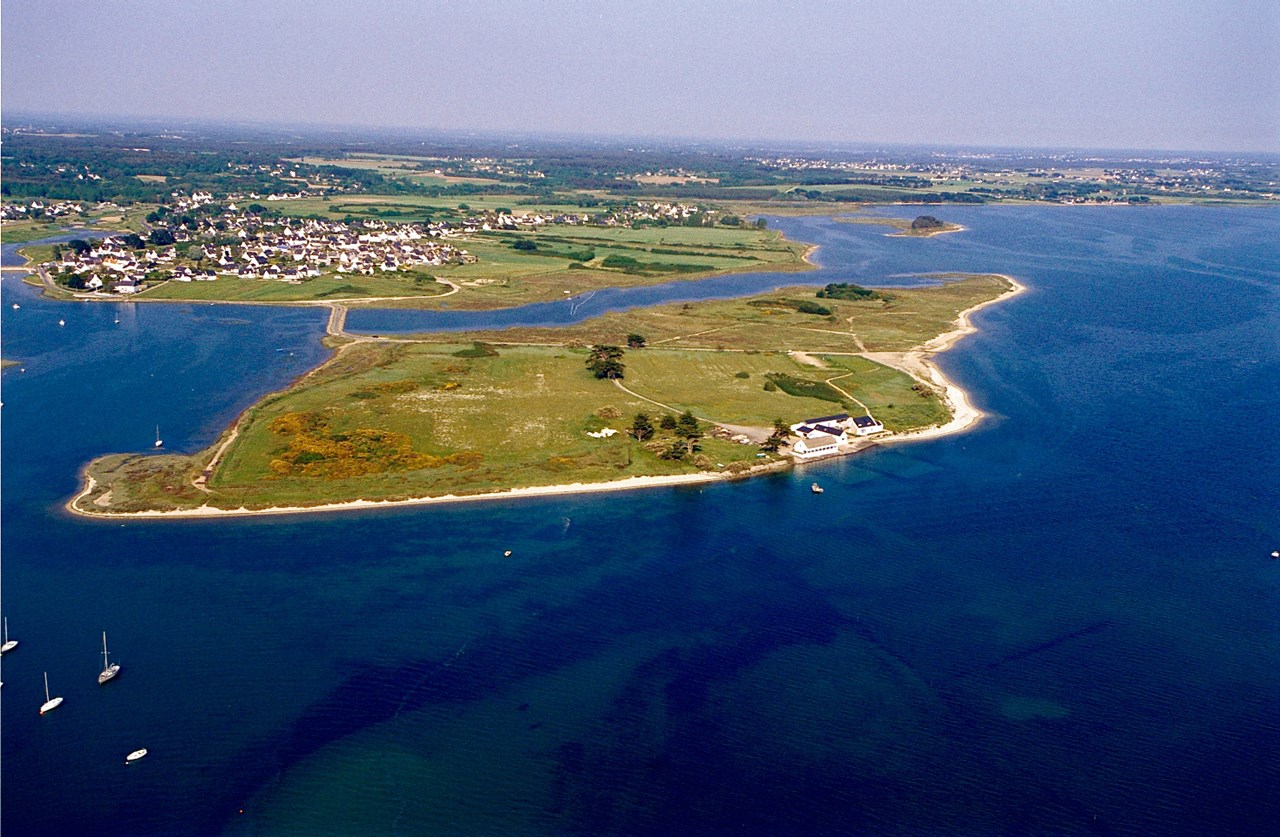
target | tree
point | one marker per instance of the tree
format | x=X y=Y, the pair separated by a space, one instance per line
x=667 y=422
x=687 y=428
x=161 y=238
x=605 y=362
x=78 y=246
x=776 y=439
x=133 y=241
x=524 y=244
x=641 y=427
x=635 y=341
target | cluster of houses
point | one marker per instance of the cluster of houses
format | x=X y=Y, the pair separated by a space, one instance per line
x=39 y=209
x=253 y=245
x=295 y=250
x=656 y=211
x=628 y=216
x=112 y=265
x=824 y=435
x=288 y=250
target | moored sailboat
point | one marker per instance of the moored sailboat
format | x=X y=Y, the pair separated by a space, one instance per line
x=109 y=669
x=9 y=644
x=49 y=703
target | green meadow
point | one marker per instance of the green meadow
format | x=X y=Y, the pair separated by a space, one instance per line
x=333 y=286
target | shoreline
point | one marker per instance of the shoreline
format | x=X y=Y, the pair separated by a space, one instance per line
x=909 y=233
x=628 y=484
x=917 y=362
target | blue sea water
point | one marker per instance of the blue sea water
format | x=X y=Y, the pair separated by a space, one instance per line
x=1062 y=622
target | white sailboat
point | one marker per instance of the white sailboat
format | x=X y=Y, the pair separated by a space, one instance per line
x=49 y=703
x=9 y=644
x=109 y=670
x=159 y=443
x=135 y=755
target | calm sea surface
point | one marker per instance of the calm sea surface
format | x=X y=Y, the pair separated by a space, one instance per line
x=1063 y=622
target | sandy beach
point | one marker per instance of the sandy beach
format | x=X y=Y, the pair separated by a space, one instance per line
x=918 y=363
x=629 y=484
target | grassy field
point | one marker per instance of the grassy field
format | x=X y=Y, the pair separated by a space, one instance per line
x=712 y=384
x=517 y=417
x=329 y=287
x=15 y=232
x=459 y=415
x=904 y=319
x=416 y=207
x=505 y=276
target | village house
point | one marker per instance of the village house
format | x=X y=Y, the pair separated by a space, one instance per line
x=866 y=425
x=816 y=444
x=834 y=426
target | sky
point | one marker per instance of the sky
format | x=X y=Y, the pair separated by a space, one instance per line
x=1107 y=74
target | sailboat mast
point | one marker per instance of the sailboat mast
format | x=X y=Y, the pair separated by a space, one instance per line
x=104 y=650
x=46 y=687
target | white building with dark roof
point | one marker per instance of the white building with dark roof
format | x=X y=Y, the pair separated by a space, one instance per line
x=866 y=425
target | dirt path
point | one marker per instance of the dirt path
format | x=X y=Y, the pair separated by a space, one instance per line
x=845 y=393
x=687 y=336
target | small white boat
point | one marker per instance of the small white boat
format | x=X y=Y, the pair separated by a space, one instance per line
x=506 y=554
x=159 y=443
x=109 y=670
x=49 y=703
x=9 y=644
x=16 y=306
x=135 y=755
x=815 y=488
x=62 y=322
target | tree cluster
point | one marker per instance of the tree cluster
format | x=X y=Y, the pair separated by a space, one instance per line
x=849 y=291
x=606 y=362
x=681 y=443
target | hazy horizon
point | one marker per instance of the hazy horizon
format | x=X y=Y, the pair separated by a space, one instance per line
x=1164 y=76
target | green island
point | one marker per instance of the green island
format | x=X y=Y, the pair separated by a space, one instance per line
x=696 y=391
x=922 y=226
